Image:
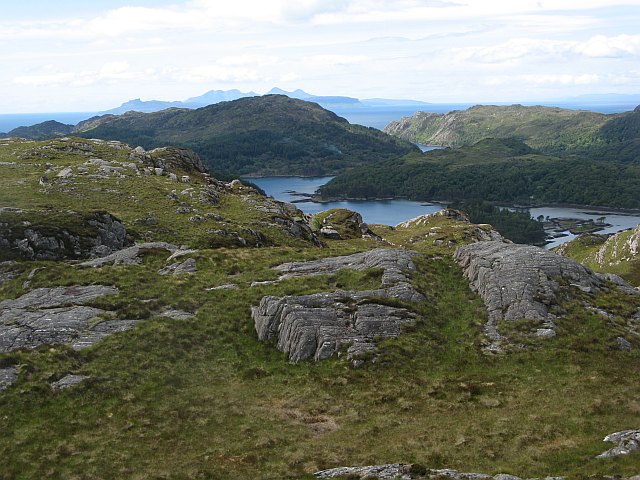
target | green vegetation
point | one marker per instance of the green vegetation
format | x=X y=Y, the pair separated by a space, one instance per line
x=203 y=398
x=269 y=135
x=552 y=130
x=518 y=227
x=616 y=254
x=493 y=170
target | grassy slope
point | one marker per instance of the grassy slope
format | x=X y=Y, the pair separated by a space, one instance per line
x=547 y=128
x=203 y=398
x=616 y=259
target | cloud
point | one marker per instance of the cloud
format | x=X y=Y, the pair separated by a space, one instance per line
x=328 y=60
x=219 y=73
x=610 y=47
x=543 y=79
x=109 y=72
x=598 y=46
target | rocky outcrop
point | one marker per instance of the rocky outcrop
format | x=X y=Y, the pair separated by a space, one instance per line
x=180 y=268
x=342 y=224
x=455 y=230
x=60 y=236
x=48 y=316
x=621 y=247
x=170 y=159
x=322 y=325
x=522 y=281
x=400 y=471
x=626 y=442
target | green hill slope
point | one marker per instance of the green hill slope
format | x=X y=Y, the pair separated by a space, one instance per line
x=495 y=170
x=269 y=135
x=551 y=130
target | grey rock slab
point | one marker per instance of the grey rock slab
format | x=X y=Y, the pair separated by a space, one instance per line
x=68 y=381
x=226 y=286
x=99 y=332
x=8 y=375
x=626 y=442
x=40 y=298
x=130 y=255
x=180 y=268
x=322 y=325
x=49 y=316
x=396 y=263
x=176 y=314
x=400 y=471
x=522 y=281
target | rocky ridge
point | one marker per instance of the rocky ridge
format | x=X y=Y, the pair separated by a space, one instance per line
x=523 y=282
x=321 y=325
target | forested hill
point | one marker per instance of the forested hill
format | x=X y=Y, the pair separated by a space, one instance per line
x=552 y=130
x=497 y=170
x=268 y=135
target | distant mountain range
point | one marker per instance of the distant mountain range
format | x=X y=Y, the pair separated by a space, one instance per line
x=216 y=96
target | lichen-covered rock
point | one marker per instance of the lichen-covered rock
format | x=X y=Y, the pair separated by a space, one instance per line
x=322 y=325
x=48 y=316
x=522 y=282
x=626 y=442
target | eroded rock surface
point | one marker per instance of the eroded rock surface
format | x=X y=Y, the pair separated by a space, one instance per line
x=57 y=316
x=626 y=442
x=321 y=325
x=522 y=281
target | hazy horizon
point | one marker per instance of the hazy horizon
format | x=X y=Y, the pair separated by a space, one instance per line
x=76 y=56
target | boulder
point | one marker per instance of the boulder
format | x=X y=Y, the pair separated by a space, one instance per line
x=626 y=442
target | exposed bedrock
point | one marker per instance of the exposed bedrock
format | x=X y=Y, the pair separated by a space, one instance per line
x=322 y=325
x=57 y=316
x=522 y=282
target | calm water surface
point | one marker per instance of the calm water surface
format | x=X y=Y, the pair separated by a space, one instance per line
x=386 y=212
x=392 y=212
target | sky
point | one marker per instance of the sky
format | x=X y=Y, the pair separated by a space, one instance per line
x=78 y=56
